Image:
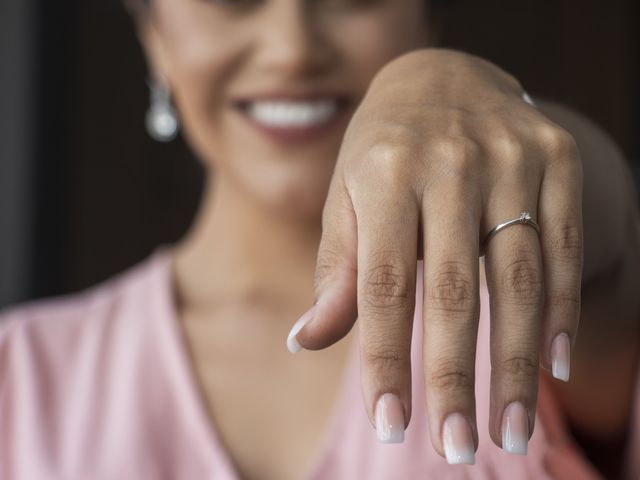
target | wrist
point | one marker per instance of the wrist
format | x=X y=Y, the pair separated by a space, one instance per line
x=439 y=70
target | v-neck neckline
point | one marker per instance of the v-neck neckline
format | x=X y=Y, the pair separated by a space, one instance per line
x=194 y=397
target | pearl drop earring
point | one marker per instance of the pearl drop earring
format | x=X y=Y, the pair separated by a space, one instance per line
x=161 y=120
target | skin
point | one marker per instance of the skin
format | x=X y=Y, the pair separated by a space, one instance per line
x=419 y=147
x=447 y=187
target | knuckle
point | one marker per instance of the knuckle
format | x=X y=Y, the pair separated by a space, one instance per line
x=460 y=153
x=327 y=263
x=386 y=358
x=558 y=141
x=449 y=377
x=508 y=146
x=520 y=366
x=566 y=242
x=510 y=150
x=522 y=282
x=451 y=290
x=391 y=159
x=389 y=153
x=385 y=285
x=458 y=147
x=567 y=300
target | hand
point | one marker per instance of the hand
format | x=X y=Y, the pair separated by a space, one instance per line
x=441 y=149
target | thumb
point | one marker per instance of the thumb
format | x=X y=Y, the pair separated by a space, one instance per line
x=335 y=309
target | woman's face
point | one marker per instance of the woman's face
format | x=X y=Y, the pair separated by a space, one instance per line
x=265 y=88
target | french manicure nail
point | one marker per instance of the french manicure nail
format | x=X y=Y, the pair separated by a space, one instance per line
x=458 y=440
x=515 y=429
x=561 y=357
x=292 y=341
x=389 y=419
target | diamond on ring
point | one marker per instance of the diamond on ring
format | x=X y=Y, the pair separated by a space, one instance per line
x=525 y=218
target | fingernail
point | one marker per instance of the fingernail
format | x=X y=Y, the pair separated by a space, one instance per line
x=515 y=429
x=292 y=341
x=527 y=98
x=458 y=440
x=389 y=419
x=561 y=357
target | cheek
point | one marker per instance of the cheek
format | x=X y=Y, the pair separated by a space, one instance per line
x=206 y=54
x=202 y=52
x=370 y=41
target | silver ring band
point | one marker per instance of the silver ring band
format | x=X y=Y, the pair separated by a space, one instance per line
x=524 y=219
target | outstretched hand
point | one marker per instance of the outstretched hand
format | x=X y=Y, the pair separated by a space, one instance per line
x=442 y=149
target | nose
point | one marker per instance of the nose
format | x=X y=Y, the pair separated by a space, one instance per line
x=291 y=42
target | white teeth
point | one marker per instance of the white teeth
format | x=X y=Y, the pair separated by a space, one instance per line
x=283 y=114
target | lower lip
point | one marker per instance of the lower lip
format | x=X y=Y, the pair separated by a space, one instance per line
x=298 y=134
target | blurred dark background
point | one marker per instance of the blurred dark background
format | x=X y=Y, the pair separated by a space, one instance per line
x=84 y=193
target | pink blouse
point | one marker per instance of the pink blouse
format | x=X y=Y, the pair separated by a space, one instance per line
x=98 y=386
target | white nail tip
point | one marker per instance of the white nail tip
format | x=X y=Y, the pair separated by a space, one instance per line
x=292 y=342
x=527 y=98
x=458 y=441
x=560 y=373
x=389 y=416
x=457 y=458
x=515 y=429
x=561 y=357
x=391 y=437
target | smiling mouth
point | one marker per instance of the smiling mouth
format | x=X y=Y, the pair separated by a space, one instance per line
x=294 y=115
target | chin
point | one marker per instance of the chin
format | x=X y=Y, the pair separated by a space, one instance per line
x=303 y=200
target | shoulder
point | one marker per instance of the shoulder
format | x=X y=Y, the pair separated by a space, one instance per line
x=80 y=309
x=41 y=335
x=85 y=381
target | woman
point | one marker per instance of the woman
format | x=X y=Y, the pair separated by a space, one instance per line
x=339 y=148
